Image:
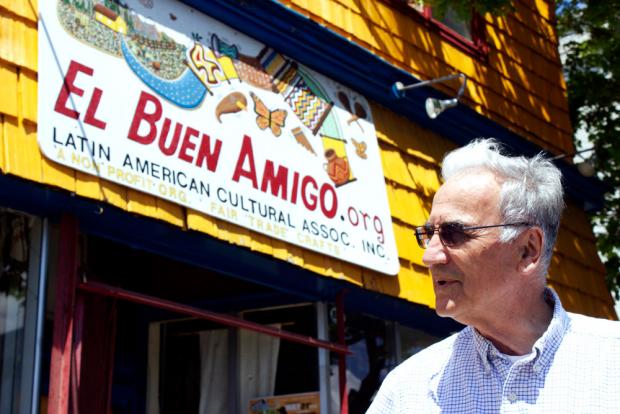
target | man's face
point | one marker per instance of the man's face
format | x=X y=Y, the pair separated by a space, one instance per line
x=473 y=278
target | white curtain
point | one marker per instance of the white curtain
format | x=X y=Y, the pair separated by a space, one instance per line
x=258 y=361
x=214 y=371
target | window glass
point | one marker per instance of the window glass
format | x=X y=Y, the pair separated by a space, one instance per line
x=205 y=367
x=16 y=262
x=413 y=341
x=373 y=347
x=377 y=346
x=164 y=362
x=457 y=24
x=450 y=19
x=416 y=4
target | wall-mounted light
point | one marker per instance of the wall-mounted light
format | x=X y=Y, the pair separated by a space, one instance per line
x=585 y=167
x=433 y=106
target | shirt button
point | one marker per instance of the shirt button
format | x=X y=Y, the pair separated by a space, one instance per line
x=512 y=397
x=536 y=369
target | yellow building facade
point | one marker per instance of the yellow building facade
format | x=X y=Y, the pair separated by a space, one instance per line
x=514 y=83
x=521 y=87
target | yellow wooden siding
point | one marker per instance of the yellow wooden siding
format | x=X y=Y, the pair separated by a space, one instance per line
x=411 y=159
x=520 y=23
x=27 y=9
x=15 y=29
x=543 y=8
x=8 y=98
x=520 y=85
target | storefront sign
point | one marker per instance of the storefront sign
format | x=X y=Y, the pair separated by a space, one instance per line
x=159 y=97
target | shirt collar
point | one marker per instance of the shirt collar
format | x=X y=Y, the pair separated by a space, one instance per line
x=547 y=344
x=544 y=348
x=482 y=345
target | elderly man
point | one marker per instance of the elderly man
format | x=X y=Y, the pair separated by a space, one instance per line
x=488 y=241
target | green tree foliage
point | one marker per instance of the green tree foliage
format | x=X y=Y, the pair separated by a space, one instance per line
x=592 y=70
x=464 y=8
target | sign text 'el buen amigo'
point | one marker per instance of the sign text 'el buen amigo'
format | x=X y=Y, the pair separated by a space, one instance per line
x=159 y=97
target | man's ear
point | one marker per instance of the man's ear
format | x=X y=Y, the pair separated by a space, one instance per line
x=530 y=249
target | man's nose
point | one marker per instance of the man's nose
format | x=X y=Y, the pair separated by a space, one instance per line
x=435 y=252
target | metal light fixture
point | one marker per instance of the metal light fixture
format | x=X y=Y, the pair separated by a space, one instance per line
x=585 y=167
x=433 y=106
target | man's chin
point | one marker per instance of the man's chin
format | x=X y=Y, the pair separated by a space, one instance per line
x=445 y=308
x=442 y=313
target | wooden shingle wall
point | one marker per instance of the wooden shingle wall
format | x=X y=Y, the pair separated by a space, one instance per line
x=411 y=157
x=518 y=84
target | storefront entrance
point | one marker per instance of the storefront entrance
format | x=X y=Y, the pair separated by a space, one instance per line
x=164 y=361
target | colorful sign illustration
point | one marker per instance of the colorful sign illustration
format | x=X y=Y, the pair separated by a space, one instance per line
x=158 y=97
x=306 y=403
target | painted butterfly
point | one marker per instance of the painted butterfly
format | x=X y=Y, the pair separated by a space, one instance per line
x=360 y=148
x=265 y=118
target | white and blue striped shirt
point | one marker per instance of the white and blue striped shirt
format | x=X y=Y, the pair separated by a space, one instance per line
x=573 y=368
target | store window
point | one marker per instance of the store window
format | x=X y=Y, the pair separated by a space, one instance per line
x=468 y=35
x=159 y=361
x=19 y=260
x=377 y=346
x=164 y=362
x=198 y=366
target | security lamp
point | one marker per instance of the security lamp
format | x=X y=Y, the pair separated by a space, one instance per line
x=433 y=106
x=585 y=167
x=436 y=106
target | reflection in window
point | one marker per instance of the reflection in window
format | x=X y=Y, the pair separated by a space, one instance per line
x=14 y=262
x=450 y=19
x=456 y=23
x=413 y=341
x=377 y=347
x=416 y=4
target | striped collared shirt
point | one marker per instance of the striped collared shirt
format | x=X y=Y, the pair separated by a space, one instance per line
x=573 y=368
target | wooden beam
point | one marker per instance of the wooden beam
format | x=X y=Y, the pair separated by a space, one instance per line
x=228 y=320
x=66 y=281
x=94 y=352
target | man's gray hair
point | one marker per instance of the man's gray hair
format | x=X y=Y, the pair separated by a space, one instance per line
x=531 y=190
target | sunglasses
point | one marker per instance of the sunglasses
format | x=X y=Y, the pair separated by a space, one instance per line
x=452 y=234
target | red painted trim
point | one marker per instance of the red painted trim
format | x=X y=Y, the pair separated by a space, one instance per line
x=74 y=392
x=470 y=47
x=342 y=359
x=110 y=356
x=227 y=320
x=478 y=32
x=76 y=360
x=78 y=332
x=427 y=12
x=477 y=47
x=60 y=366
x=94 y=353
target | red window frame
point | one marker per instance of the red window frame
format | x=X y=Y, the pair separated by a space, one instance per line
x=477 y=46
